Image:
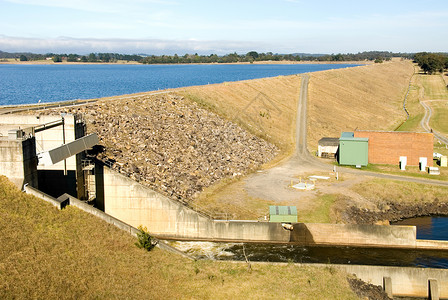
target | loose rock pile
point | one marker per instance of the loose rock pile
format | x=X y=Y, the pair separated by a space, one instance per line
x=395 y=211
x=171 y=144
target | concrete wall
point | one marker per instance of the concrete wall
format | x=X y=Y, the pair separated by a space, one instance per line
x=47 y=139
x=18 y=161
x=328 y=151
x=137 y=205
x=387 y=147
x=64 y=175
x=406 y=282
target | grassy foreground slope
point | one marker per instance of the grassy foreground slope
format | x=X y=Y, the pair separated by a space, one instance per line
x=50 y=254
x=367 y=97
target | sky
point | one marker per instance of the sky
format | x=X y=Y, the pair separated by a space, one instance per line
x=205 y=27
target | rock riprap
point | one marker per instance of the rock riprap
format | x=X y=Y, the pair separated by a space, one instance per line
x=171 y=144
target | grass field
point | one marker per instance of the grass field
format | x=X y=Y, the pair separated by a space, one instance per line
x=434 y=87
x=439 y=119
x=397 y=191
x=68 y=254
x=411 y=171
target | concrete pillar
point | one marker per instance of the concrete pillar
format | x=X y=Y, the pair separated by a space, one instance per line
x=433 y=289
x=387 y=286
x=80 y=131
x=18 y=160
x=99 y=184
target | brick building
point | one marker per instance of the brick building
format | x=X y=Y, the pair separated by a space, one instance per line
x=386 y=147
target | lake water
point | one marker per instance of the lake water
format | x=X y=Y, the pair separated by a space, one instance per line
x=27 y=84
x=429 y=228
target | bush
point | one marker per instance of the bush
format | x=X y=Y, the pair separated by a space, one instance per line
x=145 y=241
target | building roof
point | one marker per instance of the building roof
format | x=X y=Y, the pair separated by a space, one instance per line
x=329 y=141
x=282 y=210
x=349 y=136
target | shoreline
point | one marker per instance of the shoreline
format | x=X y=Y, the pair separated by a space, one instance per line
x=283 y=62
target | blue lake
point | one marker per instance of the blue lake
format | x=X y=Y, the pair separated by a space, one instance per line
x=27 y=84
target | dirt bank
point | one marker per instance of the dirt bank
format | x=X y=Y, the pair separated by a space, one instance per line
x=366 y=290
x=393 y=211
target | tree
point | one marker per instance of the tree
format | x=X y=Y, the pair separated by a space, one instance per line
x=252 y=54
x=379 y=60
x=23 y=58
x=430 y=62
x=57 y=59
x=72 y=58
x=92 y=57
x=145 y=241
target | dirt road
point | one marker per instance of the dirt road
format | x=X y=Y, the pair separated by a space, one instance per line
x=425 y=122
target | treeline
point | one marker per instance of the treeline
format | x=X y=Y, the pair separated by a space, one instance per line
x=214 y=58
x=252 y=56
x=377 y=56
x=92 y=57
x=432 y=62
x=429 y=62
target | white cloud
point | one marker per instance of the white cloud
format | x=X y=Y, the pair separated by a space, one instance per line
x=108 y=6
x=130 y=46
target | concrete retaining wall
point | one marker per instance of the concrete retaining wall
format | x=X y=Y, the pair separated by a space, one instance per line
x=18 y=160
x=47 y=139
x=405 y=281
x=137 y=205
x=409 y=282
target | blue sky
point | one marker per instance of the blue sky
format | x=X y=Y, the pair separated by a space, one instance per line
x=205 y=27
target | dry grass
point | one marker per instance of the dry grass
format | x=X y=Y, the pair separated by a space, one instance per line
x=321 y=210
x=230 y=199
x=397 y=191
x=434 y=87
x=68 y=254
x=366 y=97
x=413 y=106
x=411 y=171
x=266 y=107
x=439 y=118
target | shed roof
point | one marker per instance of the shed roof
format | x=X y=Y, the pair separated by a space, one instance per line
x=282 y=210
x=349 y=136
x=329 y=141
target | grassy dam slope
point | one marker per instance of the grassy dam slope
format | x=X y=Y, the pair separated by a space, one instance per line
x=366 y=97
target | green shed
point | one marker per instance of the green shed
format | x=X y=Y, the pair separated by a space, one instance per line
x=353 y=151
x=284 y=214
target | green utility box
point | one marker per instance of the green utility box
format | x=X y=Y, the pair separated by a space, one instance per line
x=283 y=214
x=353 y=151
